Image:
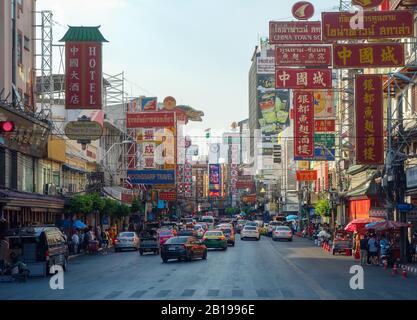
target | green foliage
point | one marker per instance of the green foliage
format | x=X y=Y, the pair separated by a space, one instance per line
x=231 y=211
x=110 y=207
x=122 y=210
x=81 y=204
x=137 y=207
x=322 y=208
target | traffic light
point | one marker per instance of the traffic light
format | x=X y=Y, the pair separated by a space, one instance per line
x=6 y=126
x=277 y=153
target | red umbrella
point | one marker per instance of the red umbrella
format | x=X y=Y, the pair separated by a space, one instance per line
x=359 y=224
x=387 y=225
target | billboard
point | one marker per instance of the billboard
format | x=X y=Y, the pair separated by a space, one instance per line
x=151 y=176
x=214 y=180
x=286 y=78
x=301 y=55
x=150 y=119
x=298 y=32
x=377 y=25
x=369 y=119
x=369 y=55
x=148 y=103
x=303 y=124
x=83 y=75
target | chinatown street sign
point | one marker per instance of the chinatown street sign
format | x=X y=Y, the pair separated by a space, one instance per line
x=299 y=56
x=377 y=25
x=150 y=119
x=367 y=4
x=83 y=130
x=286 y=78
x=369 y=119
x=369 y=55
x=303 y=128
x=294 y=32
x=302 y=10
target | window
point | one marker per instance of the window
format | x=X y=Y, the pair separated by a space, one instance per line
x=2 y=167
x=26 y=44
x=56 y=178
x=13 y=170
x=19 y=47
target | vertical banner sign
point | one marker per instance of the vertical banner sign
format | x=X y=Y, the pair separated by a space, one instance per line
x=304 y=125
x=369 y=119
x=214 y=180
x=83 y=77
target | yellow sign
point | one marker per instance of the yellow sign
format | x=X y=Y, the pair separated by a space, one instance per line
x=303 y=165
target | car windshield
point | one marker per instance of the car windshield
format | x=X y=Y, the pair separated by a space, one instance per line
x=282 y=228
x=177 y=240
x=214 y=233
x=207 y=219
x=251 y=224
x=126 y=235
x=250 y=228
x=227 y=231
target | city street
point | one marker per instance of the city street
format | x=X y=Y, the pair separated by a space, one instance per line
x=250 y=270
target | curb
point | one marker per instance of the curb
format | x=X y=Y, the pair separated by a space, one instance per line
x=82 y=254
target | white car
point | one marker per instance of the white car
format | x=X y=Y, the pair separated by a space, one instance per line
x=282 y=232
x=250 y=232
x=271 y=226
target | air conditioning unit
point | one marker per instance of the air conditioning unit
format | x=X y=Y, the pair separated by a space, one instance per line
x=50 y=189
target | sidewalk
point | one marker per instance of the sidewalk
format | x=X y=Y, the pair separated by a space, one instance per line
x=70 y=257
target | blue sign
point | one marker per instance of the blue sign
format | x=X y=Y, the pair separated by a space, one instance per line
x=151 y=176
x=320 y=154
x=405 y=207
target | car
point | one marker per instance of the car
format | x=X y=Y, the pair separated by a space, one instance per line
x=183 y=248
x=271 y=227
x=250 y=231
x=199 y=230
x=187 y=233
x=189 y=222
x=126 y=240
x=225 y=225
x=253 y=224
x=260 y=223
x=282 y=232
x=40 y=247
x=165 y=234
x=209 y=220
x=215 y=239
x=230 y=235
x=204 y=225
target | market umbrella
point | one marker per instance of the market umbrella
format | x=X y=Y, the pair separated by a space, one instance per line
x=78 y=224
x=386 y=225
x=358 y=225
x=292 y=217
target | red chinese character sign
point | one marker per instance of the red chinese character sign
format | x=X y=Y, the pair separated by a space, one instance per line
x=369 y=119
x=306 y=175
x=83 y=76
x=304 y=124
x=298 y=56
x=286 y=78
x=286 y=32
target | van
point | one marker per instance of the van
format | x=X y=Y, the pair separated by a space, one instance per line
x=209 y=220
x=40 y=248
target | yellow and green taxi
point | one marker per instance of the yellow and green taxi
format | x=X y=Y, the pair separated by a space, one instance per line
x=215 y=239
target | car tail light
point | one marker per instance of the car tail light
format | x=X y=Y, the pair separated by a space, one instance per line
x=222 y=237
x=290 y=233
x=116 y=241
x=47 y=254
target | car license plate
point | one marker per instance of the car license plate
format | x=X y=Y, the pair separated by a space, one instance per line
x=171 y=249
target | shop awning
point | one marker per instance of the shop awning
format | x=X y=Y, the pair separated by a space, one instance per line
x=26 y=199
x=69 y=167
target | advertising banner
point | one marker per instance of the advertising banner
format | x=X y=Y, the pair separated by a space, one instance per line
x=148 y=103
x=298 y=32
x=150 y=119
x=199 y=183
x=369 y=119
x=214 y=180
x=265 y=63
x=151 y=176
x=286 y=78
x=377 y=25
x=324 y=104
x=368 y=55
x=325 y=125
x=83 y=75
x=303 y=124
x=300 y=56
x=306 y=175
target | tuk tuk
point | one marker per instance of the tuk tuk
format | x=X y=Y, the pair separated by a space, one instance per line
x=148 y=239
x=342 y=242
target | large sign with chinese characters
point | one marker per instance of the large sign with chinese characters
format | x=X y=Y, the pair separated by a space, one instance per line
x=303 y=124
x=369 y=119
x=368 y=55
x=324 y=125
x=314 y=55
x=83 y=76
x=286 y=78
x=150 y=119
x=290 y=32
x=214 y=180
x=306 y=175
x=377 y=25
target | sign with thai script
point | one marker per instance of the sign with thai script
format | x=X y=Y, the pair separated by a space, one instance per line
x=304 y=124
x=150 y=119
x=314 y=55
x=290 y=32
x=369 y=119
x=151 y=176
x=376 y=25
x=368 y=55
x=286 y=78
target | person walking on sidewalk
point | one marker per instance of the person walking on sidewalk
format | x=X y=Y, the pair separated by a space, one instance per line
x=75 y=239
x=364 y=249
x=373 y=250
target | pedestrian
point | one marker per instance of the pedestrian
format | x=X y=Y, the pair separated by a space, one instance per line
x=384 y=248
x=364 y=249
x=372 y=250
x=105 y=241
x=75 y=242
x=87 y=239
x=81 y=244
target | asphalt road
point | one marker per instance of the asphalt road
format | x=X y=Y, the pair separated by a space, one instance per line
x=250 y=270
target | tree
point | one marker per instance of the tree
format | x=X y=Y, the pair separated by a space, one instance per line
x=322 y=208
x=110 y=207
x=122 y=210
x=97 y=203
x=81 y=204
x=137 y=207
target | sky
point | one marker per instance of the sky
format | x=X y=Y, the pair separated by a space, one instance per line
x=197 y=51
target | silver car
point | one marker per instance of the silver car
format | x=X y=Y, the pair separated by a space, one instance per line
x=282 y=232
x=126 y=240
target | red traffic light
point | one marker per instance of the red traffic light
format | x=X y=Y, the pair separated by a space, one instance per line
x=6 y=126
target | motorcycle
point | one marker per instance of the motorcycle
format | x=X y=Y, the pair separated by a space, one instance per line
x=17 y=270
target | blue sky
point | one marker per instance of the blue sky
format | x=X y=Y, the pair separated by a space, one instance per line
x=197 y=51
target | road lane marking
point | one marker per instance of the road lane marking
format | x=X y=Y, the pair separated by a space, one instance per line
x=162 y=293
x=113 y=295
x=138 y=294
x=188 y=293
x=213 y=293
